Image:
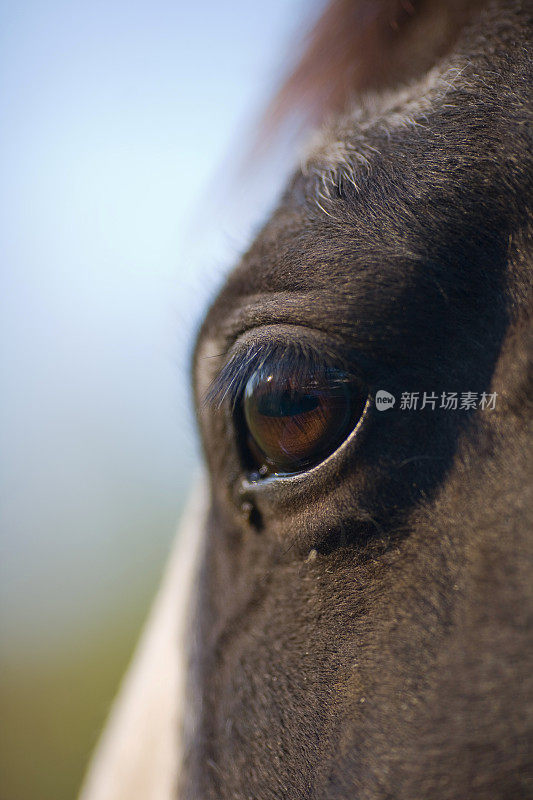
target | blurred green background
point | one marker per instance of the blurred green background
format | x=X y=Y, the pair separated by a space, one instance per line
x=122 y=208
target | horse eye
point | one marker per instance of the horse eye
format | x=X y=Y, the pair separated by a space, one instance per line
x=293 y=425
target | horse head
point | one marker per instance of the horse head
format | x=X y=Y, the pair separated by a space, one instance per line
x=360 y=618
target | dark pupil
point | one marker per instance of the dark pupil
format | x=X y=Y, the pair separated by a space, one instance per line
x=291 y=427
x=286 y=404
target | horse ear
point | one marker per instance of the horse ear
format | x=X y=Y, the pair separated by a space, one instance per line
x=358 y=46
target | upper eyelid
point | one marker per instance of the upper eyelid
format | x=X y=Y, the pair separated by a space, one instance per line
x=230 y=381
x=293 y=357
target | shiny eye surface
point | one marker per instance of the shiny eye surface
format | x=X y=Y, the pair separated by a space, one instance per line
x=293 y=424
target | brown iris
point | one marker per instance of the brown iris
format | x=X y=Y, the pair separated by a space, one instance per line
x=294 y=424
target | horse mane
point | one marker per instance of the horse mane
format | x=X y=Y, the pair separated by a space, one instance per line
x=360 y=46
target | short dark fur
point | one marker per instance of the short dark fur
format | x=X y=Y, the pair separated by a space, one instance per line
x=372 y=638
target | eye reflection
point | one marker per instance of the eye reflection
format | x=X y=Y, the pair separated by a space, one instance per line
x=293 y=423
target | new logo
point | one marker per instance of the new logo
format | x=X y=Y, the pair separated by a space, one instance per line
x=384 y=400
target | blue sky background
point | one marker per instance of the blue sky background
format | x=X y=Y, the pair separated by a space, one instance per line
x=123 y=125
x=120 y=122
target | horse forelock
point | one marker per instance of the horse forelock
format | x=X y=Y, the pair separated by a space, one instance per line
x=360 y=46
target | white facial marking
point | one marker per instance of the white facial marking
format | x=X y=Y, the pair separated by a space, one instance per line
x=140 y=750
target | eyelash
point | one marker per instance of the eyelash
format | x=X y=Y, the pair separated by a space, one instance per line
x=294 y=360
